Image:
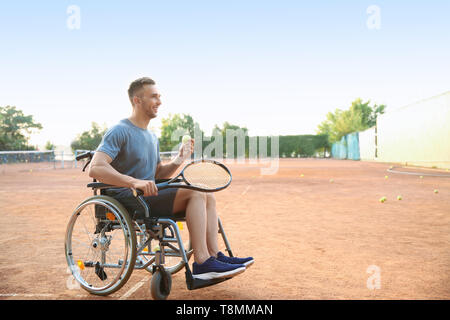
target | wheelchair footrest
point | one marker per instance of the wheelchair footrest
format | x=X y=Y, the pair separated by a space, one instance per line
x=199 y=283
x=193 y=283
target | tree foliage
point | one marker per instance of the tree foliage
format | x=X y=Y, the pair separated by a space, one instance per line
x=230 y=134
x=49 y=146
x=306 y=145
x=89 y=140
x=15 y=128
x=228 y=126
x=173 y=128
x=235 y=133
x=359 y=117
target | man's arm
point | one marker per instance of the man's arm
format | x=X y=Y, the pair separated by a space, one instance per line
x=101 y=169
x=165 y=171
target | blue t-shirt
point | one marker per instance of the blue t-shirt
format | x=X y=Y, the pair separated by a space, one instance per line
x=134 y=151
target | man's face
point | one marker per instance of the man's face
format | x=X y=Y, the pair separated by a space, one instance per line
x=149 y=101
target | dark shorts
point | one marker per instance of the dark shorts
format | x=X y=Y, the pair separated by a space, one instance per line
x=160 y=205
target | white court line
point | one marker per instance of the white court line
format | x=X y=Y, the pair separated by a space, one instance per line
x=48 y=295
x=135 y=288
x=242 y=194
x=44 y=295
x=245 y=191
x=9 y=239
x=27 y=295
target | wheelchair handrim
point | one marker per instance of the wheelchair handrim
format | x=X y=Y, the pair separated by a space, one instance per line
x=68 y=246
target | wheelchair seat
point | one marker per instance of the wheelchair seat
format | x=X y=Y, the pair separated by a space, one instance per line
x=179 y=216
x=139 y=214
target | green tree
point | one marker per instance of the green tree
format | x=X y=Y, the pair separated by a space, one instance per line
x=89 y=140
x=235 y=134
x=228 y=126
x=15 y=129
x=173 y=128
x=359 y=117
x=49 y=146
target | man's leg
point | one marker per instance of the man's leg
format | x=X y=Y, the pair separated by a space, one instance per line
x=194 y=203
x=212 y=230
x=212 y=225
x=202 y=222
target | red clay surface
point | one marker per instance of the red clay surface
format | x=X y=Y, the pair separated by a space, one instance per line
x=311 y=238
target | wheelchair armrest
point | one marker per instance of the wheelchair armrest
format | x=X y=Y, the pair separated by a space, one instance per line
x=99 y=185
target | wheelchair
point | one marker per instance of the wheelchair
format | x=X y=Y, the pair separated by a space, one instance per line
x=104 y=243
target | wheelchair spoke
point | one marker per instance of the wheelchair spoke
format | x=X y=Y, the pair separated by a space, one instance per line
x=85 y=228
x=91 y=214
x=96 y=247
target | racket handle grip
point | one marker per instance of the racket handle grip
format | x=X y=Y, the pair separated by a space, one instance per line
x=162 y=185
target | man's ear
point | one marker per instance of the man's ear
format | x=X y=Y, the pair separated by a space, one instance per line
x=136 y=100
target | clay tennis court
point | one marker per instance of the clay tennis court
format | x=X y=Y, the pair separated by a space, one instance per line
x=311 y=238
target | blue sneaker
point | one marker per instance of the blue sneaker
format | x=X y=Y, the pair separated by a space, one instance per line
x=247 y=262
x=214 y=269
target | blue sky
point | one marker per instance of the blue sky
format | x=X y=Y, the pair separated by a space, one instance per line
x=276 y=67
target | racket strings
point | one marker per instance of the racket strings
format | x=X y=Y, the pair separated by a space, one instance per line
x=206 y=175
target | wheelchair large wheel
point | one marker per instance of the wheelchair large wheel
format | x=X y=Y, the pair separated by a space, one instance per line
x=173 y=259
x=100 y=245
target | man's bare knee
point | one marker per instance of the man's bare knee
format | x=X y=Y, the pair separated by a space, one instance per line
x=184 y=196
x=193 y=194
x=210 y=199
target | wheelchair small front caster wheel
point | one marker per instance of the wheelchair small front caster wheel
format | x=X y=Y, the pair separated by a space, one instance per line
x=160 y=284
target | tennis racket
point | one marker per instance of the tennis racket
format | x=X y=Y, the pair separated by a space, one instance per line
x=201 y=175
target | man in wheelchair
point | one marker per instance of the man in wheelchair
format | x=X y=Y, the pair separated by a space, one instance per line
x=128 y=157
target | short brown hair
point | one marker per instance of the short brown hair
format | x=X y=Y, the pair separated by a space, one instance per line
x=137 y=85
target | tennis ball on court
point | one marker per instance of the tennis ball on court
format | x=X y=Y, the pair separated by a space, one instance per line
x=186 y=138
x=386 y=177
x=421 y=177
x=399 y=198
x=331 y=180
x=302 y=175
x=383 y=199
x=436 y=191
